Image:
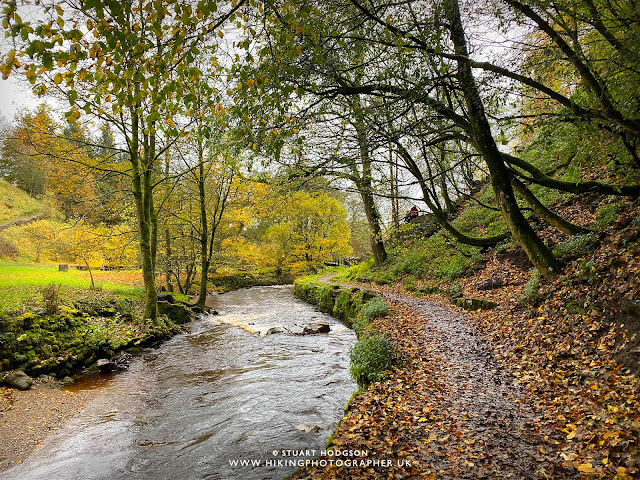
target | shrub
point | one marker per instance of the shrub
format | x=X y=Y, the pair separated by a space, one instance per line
x=410 y=283
x=8 y=249
x=575 y=246
x=608 y=214
x=370 y=358
x=374 y=308
x=531 y=288
x=51 y=297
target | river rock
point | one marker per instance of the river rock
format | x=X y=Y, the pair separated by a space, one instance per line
x=49 y=381
x=316 y=328
x=177 y=313
x=273 y=330
x=492 y=284
x=115 y=364
x=19 y=380
x=303 y=427
x=474 y=303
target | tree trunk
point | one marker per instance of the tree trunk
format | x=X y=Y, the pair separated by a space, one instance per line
x=142 y=196
x=204 y=234
x=365 y=187
x=551 y=217
x=393 y=180
x=444 y=190
x=483 y=140
x=167 y=242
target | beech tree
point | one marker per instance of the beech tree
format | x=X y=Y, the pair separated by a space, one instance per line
x=125 y=63
x=418 y=54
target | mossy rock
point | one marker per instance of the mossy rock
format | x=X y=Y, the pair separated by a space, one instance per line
x=176 y=312
x=474 y=303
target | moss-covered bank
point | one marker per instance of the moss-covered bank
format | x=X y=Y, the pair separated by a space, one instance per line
x=343 y=303
x=373 y=353
x=64 y=339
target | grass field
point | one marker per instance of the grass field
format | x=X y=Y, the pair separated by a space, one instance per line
x=20 y=284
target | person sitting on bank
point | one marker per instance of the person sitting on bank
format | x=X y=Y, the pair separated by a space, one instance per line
x=411 y=214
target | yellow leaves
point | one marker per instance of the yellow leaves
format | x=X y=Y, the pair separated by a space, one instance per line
x=220 y=34
x=254 y=146
x=5 y=70
x=57 y=79
x=586 y=468
x=240 y=86
x=89 y=25
x=250 y=82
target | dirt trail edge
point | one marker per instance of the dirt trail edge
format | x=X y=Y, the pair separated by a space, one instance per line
x=23 y=221
x=449 y=409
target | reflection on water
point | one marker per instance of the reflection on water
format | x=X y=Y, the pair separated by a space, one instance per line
x=209 y=398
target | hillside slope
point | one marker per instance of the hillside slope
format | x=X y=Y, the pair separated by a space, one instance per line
x=572 y=343
x=16 y=204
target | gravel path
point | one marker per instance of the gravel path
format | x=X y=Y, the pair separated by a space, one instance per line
x=489 y=408
x=449 y=406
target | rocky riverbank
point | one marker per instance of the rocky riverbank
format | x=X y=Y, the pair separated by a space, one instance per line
x=70 y=337
x=76 y=337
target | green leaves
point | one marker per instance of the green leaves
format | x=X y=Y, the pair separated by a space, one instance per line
x=47 y=60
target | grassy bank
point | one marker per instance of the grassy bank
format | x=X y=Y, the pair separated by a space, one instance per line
x=20 y=284
x=52 y=322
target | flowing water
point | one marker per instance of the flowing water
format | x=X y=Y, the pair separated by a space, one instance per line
x=225 y=401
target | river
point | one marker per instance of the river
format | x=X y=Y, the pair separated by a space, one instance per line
x=210 y=400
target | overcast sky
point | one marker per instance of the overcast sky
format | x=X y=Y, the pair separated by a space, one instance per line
x=14 y=96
